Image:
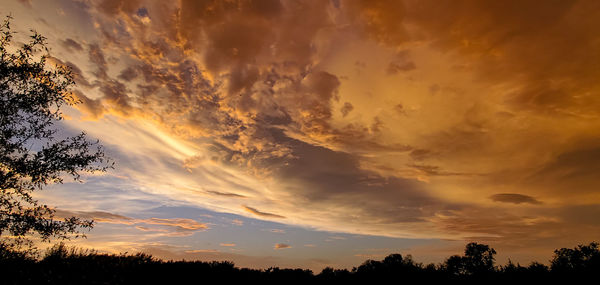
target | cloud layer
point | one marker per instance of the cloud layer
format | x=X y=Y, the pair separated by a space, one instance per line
x=434 y=119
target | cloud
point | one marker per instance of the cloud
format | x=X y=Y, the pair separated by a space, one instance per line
x=263 y=100
x=346 y=109
x=96 y=56
x=260 y=213
x=92 y=108
x=394 y=67
x=514 y=198
x=433 y=170
x=72 y=45
x=381 y=20
x=174 y=226
x=401 y=63
x=76 y=72
x=233 y=195
x=184 y=224
x=227 y=244
x=281 y=246
x=202 y=251
x=573 y=170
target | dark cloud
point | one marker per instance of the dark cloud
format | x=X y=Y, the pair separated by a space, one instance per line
x=508 y=36
x=381 y=20
x=346 y=109
x=433 y=170
x=260 y=213
x=226 y=194
x=581 y=215
x=128 y=73
x=420 y=154
x=91 y=107
x=322 y=177
x=71 y=45
x=98 y=216
x=96 y=56
x=514 y=198
x=572 y=171
x=114 y=7
x=396 y=67
x=399 y=108
x=80 y=79
x=115 y=94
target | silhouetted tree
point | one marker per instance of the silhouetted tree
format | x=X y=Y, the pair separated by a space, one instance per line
x=537 y=268
x=32 y=152
x=479 y=258
x=455 y=265
x=63 y=265
x=581 y=259
x=393 y=260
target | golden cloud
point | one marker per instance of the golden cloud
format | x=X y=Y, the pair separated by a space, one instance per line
x=281 y=246
x=398 y=118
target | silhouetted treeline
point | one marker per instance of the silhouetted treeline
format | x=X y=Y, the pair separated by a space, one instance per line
x=61 y=265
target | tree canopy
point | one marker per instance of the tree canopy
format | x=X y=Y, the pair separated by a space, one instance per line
x=33 y=151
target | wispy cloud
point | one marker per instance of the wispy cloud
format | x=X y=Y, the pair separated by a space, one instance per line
x=174 y=226
x=260 y=213
x=281 y=246
x=391 y=118
x=514 y=198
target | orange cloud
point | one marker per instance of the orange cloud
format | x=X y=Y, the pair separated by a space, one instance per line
x=176 y=226
x=441 y=119
x=260 y=213
x=281 y=246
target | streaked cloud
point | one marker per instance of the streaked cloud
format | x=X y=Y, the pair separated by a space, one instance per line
x=514 y=198
x=281 y=246
x=420 y=119
x=262 y=214
x=226 y=194
x=174 y=226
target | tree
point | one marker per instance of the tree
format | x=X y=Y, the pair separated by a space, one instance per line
x=33 y=152
x=583 y=258
x=479 y=258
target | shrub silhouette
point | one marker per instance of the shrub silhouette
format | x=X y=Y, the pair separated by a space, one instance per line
x=64 y=265
x=582 y=260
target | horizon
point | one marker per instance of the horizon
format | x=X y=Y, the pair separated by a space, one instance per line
x=313 y=134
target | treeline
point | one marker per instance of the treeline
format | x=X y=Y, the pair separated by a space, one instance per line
x=62 y=265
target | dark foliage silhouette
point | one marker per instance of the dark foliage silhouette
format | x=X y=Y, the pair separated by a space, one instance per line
x=63 y=265
x=478 y=260
x=583 y=260
x=33 y=152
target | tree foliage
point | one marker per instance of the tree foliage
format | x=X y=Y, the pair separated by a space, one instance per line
x=582 y=258
x=478 y=259
x=64 y=265
x=33 y=152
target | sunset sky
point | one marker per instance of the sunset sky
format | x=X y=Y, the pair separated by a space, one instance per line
x=323 y=133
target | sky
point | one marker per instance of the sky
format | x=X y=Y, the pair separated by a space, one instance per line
x=324 y=133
